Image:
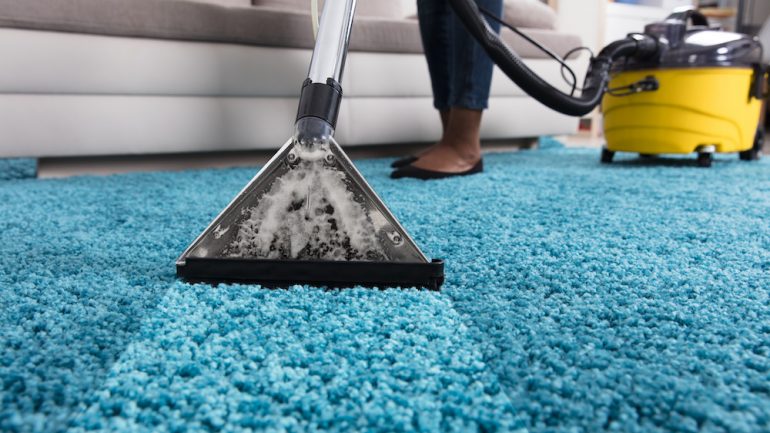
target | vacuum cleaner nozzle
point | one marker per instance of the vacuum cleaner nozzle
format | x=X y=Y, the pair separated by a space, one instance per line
x=309 y=217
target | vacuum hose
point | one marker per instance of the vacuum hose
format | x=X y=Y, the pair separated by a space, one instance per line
x=596 y=79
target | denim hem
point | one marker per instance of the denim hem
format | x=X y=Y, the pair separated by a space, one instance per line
x=470 y=104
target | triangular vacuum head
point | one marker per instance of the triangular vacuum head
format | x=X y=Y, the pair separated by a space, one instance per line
x=309 y=217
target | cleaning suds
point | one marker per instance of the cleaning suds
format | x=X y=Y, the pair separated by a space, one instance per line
x=309 y=213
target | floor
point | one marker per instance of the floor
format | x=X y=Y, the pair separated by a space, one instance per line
x=579 y=297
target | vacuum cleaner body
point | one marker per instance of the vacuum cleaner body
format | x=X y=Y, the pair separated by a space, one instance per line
x=693 y=108
x=707 y=97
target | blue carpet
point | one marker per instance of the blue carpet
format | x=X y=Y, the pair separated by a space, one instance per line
x=17 y=168
x=580 y=298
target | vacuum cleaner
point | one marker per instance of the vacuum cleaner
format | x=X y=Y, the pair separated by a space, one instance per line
x=309 y=216
x=677 y=88
x=707 y=98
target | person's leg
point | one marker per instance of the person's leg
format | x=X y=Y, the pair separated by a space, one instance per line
x=472 y=68
x=435 y=19
x=470 y=77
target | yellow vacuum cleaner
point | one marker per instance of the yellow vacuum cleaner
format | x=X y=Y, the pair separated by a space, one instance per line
x=702 y=93
x=681 y=86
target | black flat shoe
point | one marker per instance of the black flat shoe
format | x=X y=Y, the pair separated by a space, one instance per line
x=421 y=173
x=403 y=162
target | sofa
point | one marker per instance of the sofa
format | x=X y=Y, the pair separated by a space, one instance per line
x=116 y=77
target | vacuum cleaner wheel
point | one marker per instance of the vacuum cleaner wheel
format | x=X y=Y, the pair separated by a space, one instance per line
x=607 y=156
x=755 y=152
x=705 y=159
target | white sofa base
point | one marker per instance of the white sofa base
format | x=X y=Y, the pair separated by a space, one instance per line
x=67 y=94
x=71 y=125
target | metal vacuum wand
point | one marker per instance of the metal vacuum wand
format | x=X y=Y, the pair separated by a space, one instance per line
x=321 y=95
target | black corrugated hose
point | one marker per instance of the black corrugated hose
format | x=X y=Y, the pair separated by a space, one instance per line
x=597 y=76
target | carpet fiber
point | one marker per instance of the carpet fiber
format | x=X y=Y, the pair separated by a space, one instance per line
x=17 y=168
x=579 y=298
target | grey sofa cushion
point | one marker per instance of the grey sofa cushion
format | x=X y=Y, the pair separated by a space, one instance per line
x=529 y=13
x=192 y=21
x=240 y=3
x=364 y=8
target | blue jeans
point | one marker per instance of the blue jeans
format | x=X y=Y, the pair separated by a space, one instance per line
x=460 y=70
